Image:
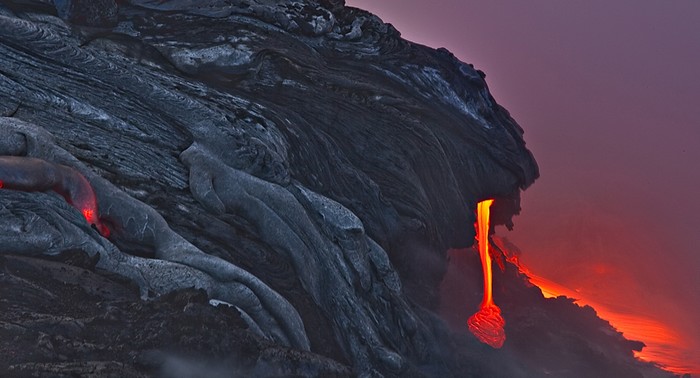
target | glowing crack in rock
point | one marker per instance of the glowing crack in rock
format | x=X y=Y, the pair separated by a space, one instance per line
x=487 y=324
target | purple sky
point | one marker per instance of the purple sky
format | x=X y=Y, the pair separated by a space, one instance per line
x=608 y=93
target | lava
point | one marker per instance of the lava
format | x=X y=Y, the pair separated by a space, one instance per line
x=32 y=174
x=487 y=324
x=663 y=343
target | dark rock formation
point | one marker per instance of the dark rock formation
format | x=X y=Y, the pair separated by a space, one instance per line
x=545 y=337
x=97 y=13
x=107 y=331
x=295 y=159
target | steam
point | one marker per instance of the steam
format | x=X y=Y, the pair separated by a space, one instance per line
x=622 y=265
x=175 y=366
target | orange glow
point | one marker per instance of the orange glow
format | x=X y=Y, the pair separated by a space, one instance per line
x=487 y=324
x=89 y=215
x=659 y=338
x=91 y=218
x=32 y=174
x=656 y=336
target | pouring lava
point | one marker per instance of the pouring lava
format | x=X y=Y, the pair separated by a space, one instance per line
x=487 y=324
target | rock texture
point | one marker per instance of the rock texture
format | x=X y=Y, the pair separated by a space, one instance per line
x=296 y=160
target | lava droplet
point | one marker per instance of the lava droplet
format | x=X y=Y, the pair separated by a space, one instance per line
x=487 y=324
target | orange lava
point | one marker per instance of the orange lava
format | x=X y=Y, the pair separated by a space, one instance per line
x=91 y=217
x=487 y=324
x=661 y=340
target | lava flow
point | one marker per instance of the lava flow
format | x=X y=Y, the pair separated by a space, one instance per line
x=487 y=324
x=32 y=174
x=665 y=345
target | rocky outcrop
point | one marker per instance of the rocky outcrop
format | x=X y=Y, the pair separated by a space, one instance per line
x=297 y=160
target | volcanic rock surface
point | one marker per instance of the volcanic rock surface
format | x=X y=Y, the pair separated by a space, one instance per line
x=282 y=181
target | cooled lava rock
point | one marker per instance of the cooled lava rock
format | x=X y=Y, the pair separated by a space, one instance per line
x=295 y=162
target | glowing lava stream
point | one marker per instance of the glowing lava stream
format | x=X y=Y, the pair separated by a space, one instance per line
x=487 y=324
x=664 y=345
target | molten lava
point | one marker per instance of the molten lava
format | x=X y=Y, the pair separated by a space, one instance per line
x=487 y=324
x=664 y=344
x=32 y=174
x=92 y=219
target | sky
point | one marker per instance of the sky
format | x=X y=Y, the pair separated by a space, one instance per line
x=608 y=93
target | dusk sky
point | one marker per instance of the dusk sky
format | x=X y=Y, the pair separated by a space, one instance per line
x=608 y=93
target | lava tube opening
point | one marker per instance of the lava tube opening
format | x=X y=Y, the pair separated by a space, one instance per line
x=487 y=324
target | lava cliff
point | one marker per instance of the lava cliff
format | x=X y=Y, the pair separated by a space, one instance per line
x=296 y=160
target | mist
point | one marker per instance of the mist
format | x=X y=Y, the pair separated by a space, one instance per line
x=607 y=94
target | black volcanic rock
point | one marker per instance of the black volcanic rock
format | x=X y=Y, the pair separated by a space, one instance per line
x=98 y=13
x=295 y=159
x=85 y=324
x=545 y=336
